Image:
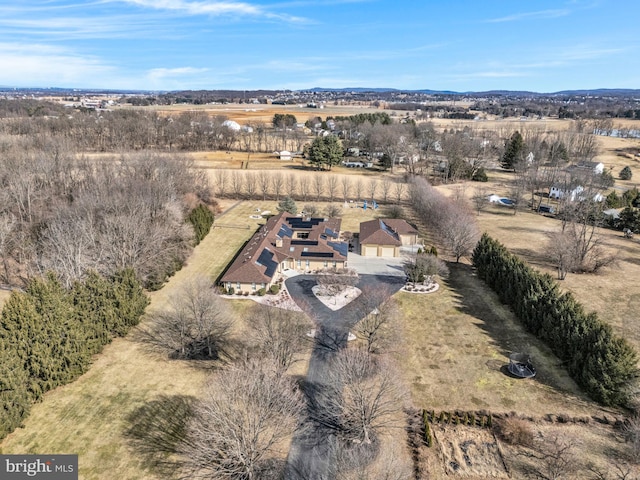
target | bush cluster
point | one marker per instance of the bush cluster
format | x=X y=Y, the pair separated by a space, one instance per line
x=472 y=419
x=48 y=334
x=603 y=364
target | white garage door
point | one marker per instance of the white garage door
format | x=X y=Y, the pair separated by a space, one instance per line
x=388 y=252
x=369 y=251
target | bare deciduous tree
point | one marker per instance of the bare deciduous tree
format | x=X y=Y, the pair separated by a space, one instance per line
x=304 y=184
x=278 y=335
x=332 y=186
x=555 y=458
x=360 y=400
x=196 y=324
x=237 y=431
x=292 y=184
x=277 y=181
x=264 y=182
x=318 y=185
x=333 y=211
x=373 y=187
x=386 y=188
x=374 y=328
x=346 y=187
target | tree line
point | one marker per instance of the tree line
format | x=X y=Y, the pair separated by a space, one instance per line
x=266 y=184
x=450 y=219
x=70 y=214
x=603 y=364
x=49 y=333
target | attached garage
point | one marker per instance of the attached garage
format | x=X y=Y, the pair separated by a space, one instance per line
x=387 y=251
x=369 y=250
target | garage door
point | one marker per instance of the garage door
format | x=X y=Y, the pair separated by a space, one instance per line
x=369 y=251
x=388 y=251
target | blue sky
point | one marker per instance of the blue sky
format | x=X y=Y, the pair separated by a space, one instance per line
x=460 y=45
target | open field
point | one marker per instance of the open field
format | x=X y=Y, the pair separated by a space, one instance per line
x=91 y=415
x=455 y=348
x=253 y=113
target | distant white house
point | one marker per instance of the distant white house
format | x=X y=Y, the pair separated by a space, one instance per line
x=574 y=194
x=594 y=167
x=231 y=125
x=285 y=155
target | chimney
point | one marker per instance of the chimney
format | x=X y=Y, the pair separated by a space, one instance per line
x=278 y=242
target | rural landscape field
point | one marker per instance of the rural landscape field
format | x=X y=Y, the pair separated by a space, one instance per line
x=178 y=208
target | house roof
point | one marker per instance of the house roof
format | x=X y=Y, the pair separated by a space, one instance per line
x=385 y=231
x=277 y=240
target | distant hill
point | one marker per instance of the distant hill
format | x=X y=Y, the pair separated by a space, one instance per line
x=599 y=92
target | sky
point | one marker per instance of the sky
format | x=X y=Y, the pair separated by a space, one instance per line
x=458 y=45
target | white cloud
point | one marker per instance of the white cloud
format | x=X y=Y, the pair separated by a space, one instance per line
x=214 y=8
x=542 y=14
x=45 y=65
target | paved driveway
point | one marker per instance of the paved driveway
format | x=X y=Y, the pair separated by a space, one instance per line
x=312 y=452
x=385 y=266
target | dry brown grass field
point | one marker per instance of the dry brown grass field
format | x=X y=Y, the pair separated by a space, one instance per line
x=454 y=345
x=249 y=113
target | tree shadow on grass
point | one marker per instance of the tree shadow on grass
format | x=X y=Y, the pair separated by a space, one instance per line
x=157 y=429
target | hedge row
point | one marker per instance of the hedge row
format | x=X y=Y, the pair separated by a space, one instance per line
x=48 y=335
x=603 y=364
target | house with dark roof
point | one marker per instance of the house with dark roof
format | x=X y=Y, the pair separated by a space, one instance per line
x=286 y=242
x=383 y=237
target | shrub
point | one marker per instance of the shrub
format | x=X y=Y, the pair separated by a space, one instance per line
x=625 y=173
x=231 y=291
x=261 y=292
x=514 y=431
x=274 y=289
x=428 y=437
x=480 y=176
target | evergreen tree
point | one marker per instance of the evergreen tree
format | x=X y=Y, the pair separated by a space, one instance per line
x=202 y=220
x=513 y=152
x=15 y=401
x=325 y=152
x=625 y=173
x=287 y=205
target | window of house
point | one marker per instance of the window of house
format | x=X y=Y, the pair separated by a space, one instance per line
x=326 y=264
x=253 y=286
x=299 y=264
x=263 y=285
x=335 y=264
x=238 y=287
x=307 y=262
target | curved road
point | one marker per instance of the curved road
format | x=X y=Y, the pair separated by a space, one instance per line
x=311 y=456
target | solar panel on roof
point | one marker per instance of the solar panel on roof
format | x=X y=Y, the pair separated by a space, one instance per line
x=304 y=242
x=341 y=247
x=266 y=259
x=386 y=228
x=285 y=231
x=330 y=232
x=317 y=254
